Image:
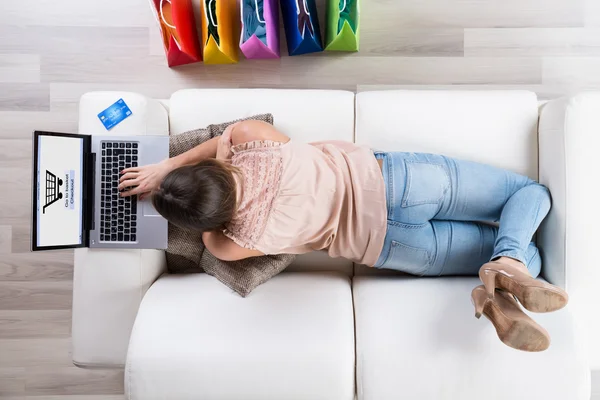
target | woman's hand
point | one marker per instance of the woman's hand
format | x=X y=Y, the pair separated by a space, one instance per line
x=143 y=180
x=224 y=144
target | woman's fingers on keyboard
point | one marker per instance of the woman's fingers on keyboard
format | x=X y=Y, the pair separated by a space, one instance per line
x=128 y=176
x=128 y=183
x=132 y=169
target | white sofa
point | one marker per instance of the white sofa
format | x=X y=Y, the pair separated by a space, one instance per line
x=326 y=329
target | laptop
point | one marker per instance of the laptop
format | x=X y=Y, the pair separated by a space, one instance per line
x=76 y=201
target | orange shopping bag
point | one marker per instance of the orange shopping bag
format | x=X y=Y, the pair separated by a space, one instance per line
x=219 y=31
x=178 y=27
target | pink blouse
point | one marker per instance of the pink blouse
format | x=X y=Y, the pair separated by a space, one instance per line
x=298 y=197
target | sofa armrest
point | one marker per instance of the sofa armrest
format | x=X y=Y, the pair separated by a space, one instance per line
x=109 y=284
x=108 y=288
x=569 y=143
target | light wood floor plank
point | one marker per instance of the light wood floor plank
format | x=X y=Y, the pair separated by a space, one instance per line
x=66 y=381
x=68 y=40
x=410 y=70
x=155 y=42
x=24 y=97
x=67 y=397
x=16 y=209
x=19 y=68
x=5 y=239
x=128 y=13
x=406 y=42
x=21 y=234
x=49 y=353
x=390 y=15
x=12 y=382
x=592 y=13
x=37 y=267
x=579 y=72
x=15 y=152
x=306 y=71
x=152 y=69
x=21 y=124
x=36 y=295
x=19 y=324
x=532 y=42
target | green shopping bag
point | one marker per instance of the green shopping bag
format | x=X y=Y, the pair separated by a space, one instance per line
x=343 y=25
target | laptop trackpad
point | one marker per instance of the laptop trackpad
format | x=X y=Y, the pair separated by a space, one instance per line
x=148 y=209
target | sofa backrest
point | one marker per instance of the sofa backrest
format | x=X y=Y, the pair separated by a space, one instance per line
x=492 y=127
x=305 y=115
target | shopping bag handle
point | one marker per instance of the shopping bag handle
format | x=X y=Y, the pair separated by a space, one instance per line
x=344 y=2
x=303 y=5
x=162 y=15
x=257 y=14
x=208 y=13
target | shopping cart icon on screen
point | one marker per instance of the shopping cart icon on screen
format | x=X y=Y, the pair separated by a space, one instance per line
x=53 y=193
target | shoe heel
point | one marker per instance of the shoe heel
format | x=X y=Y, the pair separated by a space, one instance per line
x=479 y=298
x=488 y=277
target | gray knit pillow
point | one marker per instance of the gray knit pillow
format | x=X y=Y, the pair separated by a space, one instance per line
x=186 y=252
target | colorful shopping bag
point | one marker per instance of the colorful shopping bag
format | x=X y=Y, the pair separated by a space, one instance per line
x=343 y=25
x=301 y=25
x=219 y=31
x=178 y=28
x=260 y=28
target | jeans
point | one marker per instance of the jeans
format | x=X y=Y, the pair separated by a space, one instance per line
x=441 y=215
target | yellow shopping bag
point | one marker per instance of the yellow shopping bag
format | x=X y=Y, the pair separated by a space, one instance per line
x=219 y=31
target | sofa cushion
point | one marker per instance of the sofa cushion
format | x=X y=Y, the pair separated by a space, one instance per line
x=291 y=338
x=306 y=115
x=419 y=337
x=493 y=127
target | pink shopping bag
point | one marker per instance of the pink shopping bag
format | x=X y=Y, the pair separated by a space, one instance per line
x=259 y=38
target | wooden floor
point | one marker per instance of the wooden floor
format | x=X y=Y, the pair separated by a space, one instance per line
x=53 y=51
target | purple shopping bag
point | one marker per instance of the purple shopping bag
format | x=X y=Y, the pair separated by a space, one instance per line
x=259 y=38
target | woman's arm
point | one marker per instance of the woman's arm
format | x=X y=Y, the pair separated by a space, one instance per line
x=226 y=249
x=193 y=156
x=142 y=180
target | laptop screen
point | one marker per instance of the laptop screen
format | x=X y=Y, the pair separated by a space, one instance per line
x=58 y=191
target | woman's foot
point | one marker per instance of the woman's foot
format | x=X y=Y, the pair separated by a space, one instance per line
x=514 y=327
x=512 y=276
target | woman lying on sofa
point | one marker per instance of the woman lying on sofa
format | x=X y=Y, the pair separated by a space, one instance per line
x=253 y=191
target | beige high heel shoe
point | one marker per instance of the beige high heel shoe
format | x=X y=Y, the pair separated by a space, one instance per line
x=514 y=328
x=533 y=294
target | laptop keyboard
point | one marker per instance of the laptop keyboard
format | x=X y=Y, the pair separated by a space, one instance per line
x=118 y=215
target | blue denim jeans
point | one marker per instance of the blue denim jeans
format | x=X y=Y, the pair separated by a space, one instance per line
x=441 y=215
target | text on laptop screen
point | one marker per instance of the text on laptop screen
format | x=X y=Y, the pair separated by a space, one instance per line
x=59 y=190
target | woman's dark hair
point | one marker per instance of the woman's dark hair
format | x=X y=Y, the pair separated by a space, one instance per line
x=199 y=197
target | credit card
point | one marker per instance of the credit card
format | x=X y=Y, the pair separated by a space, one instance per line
x=114 y=114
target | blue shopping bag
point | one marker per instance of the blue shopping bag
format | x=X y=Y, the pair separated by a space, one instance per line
x=301 y=25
